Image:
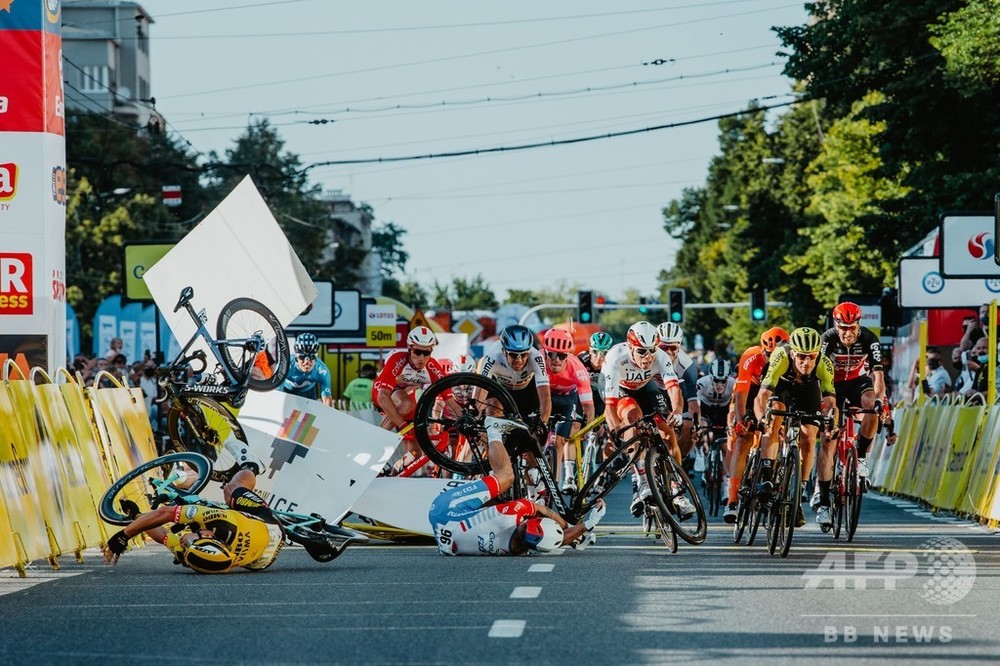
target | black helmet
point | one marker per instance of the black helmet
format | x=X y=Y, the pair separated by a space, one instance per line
x=306 y=343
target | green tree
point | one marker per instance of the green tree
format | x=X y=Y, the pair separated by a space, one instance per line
x=387 y=243
x=969 y=40
x=413 y=294
x=851 y=191
x=464 y=294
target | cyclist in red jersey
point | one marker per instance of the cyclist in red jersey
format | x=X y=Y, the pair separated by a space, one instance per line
x=569 y=383
x=752 y=364
x=858 y=378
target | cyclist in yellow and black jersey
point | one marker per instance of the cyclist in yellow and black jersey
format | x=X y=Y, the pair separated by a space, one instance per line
x=799 y=378
x=216 y=540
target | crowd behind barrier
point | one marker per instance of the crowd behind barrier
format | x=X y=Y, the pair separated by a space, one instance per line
x=947 y=456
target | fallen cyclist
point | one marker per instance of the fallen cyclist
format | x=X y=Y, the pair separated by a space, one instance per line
x=468 y=521
x=212 y=539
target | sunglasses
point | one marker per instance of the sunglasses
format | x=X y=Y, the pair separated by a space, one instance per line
x=516 y=355
x=848 y=329
x=669 y=347
x=306 y=357
x=644 y=352
x=806 y=357
x=421 y=352
x=557 y=355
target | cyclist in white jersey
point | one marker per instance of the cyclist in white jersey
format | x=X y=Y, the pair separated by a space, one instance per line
x=715 y=391
x=467 y=521
x=515 y=363
x=671 y=337
x=637 y=375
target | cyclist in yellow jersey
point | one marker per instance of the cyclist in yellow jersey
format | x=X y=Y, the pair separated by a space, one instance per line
x=798 y=377
x=247 y=534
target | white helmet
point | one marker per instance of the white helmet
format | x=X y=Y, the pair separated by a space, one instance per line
x=670 y=333
x=719 y=369
x=643 y=335
x=465 y=363
x=421 y=336
x=543 y=534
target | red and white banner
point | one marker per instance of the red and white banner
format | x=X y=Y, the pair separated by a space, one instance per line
x=32 y=186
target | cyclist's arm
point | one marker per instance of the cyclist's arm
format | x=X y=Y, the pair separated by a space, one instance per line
x=325 y=391
x=824 y=372
x=544 y=402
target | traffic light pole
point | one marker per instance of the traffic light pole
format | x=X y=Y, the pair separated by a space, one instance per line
x=651 y=306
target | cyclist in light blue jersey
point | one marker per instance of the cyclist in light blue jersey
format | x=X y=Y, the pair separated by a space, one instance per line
x=308 y=376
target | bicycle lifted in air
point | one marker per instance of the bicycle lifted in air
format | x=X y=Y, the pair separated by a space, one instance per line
x=666 y=477
x=251 y=352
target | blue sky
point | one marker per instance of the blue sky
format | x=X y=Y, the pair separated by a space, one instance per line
x=404 y=78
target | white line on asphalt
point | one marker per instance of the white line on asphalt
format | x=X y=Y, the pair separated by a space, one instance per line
x=507 y=628
x=541 y=568
x=882 y=615
x=525 y=593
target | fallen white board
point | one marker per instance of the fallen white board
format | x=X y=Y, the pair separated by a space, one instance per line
x=318 y=459
x=402 y=502
x=238 y=250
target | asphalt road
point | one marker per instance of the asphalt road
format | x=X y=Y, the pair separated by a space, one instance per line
x=896 y=593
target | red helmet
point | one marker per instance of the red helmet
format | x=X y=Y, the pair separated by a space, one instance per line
x=557 y=340
x=772 y=337
x=847 y=313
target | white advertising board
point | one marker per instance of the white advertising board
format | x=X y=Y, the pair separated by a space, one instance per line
x=921 y=285
x=968 y=245
x=318 y=459
x=237 y=251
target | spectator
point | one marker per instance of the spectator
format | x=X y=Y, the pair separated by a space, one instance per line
x=359 y=390
x=937 y=381
x=963 y=381
x=975 y=327
x=115 y=349
x=978 y=359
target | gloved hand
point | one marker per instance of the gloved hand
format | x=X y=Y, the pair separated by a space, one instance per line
x=676 y=420
x=595 y=515
x=118 y=542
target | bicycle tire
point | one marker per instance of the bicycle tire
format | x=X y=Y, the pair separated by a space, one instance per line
x=108 y=506
x=667 y=534
x=470 y=423
x=190 y=430
x=715 y=485
x=852 y=500
x=241 y=318
x=837 y=501
x=661 y=469
x=791 y=502
x=745 y=495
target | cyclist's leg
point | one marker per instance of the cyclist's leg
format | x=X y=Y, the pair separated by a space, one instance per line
x=865 y=396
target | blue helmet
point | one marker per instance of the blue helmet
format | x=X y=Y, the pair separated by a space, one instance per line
x=517 y=338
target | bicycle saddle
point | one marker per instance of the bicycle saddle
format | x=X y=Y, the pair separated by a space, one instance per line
x=187 y=293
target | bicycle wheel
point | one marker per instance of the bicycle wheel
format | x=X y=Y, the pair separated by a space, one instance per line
x=479 y=397
x=852 y=498
x=790 y=503
x=668 y=482
x=201 y=425
x=667 y=535
x=745 y=495
x=715 y=482
x=134 y=486
x=240 y=320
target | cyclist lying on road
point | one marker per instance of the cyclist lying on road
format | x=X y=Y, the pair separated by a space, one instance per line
x=466 y=521
x=248 y=534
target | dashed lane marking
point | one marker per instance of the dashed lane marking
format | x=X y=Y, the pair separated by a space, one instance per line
x=525 y=593
x=507 y=628
x=541 y=568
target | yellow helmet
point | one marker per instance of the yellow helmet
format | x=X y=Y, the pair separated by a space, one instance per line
x=208 y=556
x=804 y=341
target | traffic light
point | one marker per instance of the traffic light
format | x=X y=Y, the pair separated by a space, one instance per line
x=676 y=301
x=585 y=306
x=758 y=305
x=642 y=305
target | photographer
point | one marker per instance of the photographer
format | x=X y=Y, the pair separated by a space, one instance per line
x=974 y=327
x=963 y=381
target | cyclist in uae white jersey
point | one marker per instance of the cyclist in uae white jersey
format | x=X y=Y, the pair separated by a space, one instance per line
x=637 y=375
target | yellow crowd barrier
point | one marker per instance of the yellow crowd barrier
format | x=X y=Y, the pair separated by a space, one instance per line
x=60 y=446
x=947 y=455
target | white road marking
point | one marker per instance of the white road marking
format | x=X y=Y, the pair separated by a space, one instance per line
x=525 y=593
x=541 y=568
x=507 y=628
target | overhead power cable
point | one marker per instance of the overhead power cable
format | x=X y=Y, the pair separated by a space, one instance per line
x=546 y=144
